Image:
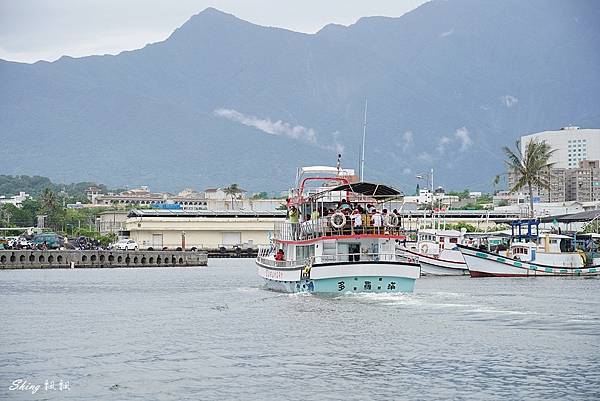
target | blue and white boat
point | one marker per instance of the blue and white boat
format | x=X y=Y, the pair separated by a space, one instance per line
x=532 y=254
x=332 y=250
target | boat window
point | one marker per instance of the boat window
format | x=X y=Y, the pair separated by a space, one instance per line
x=520 y=250
x=553 y=241
x=454 y=240
x=304 y=252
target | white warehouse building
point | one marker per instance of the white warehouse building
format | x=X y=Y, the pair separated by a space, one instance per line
x=571 y=144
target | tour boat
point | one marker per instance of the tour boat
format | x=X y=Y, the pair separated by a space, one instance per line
x=436 y=252
x=530 y=255
x=327 y=251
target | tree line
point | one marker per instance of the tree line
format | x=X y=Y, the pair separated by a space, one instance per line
x=11 y=185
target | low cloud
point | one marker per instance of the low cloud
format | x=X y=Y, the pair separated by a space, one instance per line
x=407 y=140
x=337 y=146
x=462 y=134
x=281 y=128
x=424 y=157
x=461 y=140
x=443 y=143
x=450 y=32
x=269 y=126
x=509 y=100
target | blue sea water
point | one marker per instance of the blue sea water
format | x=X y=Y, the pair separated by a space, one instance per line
x=214 y=333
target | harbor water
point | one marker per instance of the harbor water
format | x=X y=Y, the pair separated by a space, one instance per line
x=213 y=333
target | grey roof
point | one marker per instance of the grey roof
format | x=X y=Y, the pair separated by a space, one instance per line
x=204 y=213
x=572 y=218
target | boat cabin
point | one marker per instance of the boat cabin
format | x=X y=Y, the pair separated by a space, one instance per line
x=432 y=242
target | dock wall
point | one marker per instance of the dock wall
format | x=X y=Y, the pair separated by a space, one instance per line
x=35 y=259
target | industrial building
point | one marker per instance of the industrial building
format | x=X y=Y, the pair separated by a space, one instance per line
x=201 y=229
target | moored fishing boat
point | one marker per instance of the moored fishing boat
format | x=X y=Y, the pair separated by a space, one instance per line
x=531 y=254
x=345 y=243
x=436 y=252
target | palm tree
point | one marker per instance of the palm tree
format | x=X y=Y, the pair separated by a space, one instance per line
x=48 y=200
x=495 y=183
x=232 y=190
x=527 y=167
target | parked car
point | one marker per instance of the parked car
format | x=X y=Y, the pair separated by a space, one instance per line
x=48 y=240
x=126 y=245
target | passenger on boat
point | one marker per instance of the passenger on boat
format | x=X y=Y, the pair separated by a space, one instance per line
x=306 y=227
x=294 y=220
x=357 y=223
x=279 y=256
x=377 y=220
x=384 y=218
x=397 y=213
x=345 y=205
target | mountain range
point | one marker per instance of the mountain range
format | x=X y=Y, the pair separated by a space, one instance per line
x=222 y=100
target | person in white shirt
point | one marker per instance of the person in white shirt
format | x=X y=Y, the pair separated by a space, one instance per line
x=377 y=220
x=356 y=221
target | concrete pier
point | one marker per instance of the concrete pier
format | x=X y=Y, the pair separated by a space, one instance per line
x=34 y=259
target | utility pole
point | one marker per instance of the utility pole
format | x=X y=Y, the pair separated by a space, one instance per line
x=432 y=181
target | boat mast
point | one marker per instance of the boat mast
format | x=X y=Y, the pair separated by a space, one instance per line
x=362 y=148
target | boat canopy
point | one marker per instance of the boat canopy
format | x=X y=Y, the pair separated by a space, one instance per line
x=441 y=233
x=325 y=170
x=377 y=191
x=572 y=218
x=552 y=235
x=499 y=234
x=591 y=235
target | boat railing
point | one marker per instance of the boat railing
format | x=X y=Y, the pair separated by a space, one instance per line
x=355 y=257
x=324 y=227
x=280 y=263
x=335 y=258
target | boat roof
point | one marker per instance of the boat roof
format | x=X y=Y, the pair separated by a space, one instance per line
x=593 y=235
x=551 y=235
x=573 y=217
x=499 y=234
x=447 y=233
x=373 y=190
x=325 y=170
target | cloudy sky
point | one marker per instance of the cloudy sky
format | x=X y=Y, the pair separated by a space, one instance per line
x=32 y=30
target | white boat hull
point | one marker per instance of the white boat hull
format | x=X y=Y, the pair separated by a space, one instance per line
x=434 y=267
x=431 y=266
x=487 y=264
x=370 y=277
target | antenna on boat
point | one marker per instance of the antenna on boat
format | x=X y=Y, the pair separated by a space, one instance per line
x=339 y=163
x=362 y=148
